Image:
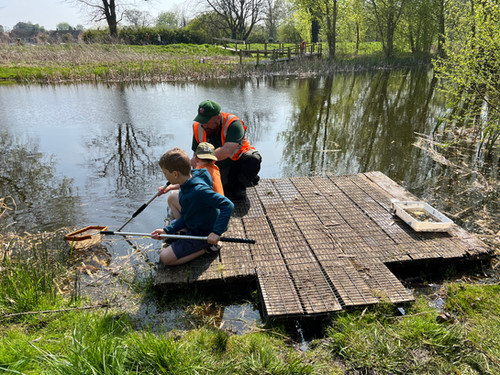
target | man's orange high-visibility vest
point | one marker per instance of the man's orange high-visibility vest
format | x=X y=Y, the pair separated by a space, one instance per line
x=227 y=119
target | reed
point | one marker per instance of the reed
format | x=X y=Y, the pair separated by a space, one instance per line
x=180 y=62
x=33 y=272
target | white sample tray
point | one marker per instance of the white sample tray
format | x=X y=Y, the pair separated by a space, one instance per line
x=435 y=221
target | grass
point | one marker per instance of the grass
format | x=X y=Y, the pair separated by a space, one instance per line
x=109 y=341
x=153 y=63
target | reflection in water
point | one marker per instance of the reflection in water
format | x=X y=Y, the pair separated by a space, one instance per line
x=43 y=200
x=121 y=154
x=358 y=122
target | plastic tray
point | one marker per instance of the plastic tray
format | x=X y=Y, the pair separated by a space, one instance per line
x=438 y=222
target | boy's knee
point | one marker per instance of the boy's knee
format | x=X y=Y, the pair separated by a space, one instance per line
x=170 y=200
x=167 y=256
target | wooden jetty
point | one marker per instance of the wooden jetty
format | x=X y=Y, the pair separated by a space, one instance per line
x=324 y=244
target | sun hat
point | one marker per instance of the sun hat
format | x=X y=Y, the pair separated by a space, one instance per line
x=206 y=110
x=205 y=150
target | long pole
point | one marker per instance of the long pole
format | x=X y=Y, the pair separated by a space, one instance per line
x=142 y=208
x=176 y=236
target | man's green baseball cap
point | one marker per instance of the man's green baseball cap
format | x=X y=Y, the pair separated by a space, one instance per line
x=206 y=110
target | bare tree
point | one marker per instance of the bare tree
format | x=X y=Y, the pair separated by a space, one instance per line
x=274 y=13
x=100 y=10
x=137 y=18
x=239 y=16
x=111 y=11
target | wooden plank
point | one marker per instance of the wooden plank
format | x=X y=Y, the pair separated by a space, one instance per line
x=474 y=246
x=322 y=245
x=301 y=263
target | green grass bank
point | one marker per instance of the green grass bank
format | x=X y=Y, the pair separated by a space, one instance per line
x=160 y=63
x=48 y=328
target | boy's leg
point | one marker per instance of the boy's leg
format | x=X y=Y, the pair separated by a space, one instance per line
x=182 y=251
x=173 y=203
x=167 y=257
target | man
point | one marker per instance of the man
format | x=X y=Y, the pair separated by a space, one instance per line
x=238 y=161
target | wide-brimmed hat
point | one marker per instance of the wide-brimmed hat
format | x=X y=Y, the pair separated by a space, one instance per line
x=205 y=150
x=206 y=110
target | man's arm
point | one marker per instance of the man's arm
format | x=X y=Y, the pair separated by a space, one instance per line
x=227 y=150
x=234 y=137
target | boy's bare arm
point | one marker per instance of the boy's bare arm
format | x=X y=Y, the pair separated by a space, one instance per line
x=164 y=190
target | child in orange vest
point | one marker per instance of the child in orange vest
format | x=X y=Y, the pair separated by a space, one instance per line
x=205 y=158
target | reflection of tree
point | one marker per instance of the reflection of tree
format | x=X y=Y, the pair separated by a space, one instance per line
x=357 y=122
x=44 y=201
x=123 y=153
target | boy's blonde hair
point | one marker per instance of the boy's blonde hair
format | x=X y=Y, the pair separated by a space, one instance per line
x=176 y=159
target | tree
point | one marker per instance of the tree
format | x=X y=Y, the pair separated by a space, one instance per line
x=326 y=13
x=28 y=27
x=208 y=24
x=111 y=11
x=100 y=10
x=238 y=16
x=385 y=15
x=288 y=31
x=470 y=70
x=421 y=22
x=137 y=18
x=273 y=16
x=167 y=20
x=63 y=26
x=353 y=26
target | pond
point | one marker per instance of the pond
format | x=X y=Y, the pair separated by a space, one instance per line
x=87 y=154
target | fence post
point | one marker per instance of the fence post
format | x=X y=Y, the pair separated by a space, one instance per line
x=257 y=62
x=241 y=56
x=289 y=53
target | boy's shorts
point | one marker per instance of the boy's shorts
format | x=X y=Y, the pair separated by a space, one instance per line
x=183 y=248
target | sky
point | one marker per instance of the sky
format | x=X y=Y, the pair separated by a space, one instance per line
x=48 y=13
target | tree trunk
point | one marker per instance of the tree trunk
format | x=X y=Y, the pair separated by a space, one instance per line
x=441 y=29
x=110 y=14
x=315 y=31
x=331 y=32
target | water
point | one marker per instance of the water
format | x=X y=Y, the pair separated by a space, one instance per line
x=85 y=154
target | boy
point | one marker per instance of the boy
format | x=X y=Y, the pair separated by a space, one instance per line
x=204 y=212
x=205 y=158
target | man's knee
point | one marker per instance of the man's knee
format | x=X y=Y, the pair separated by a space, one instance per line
x=250 y=168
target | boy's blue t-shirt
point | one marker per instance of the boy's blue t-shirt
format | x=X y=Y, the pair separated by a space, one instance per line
x=203 y=211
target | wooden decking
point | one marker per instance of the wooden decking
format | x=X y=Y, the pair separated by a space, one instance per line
x=323 y=245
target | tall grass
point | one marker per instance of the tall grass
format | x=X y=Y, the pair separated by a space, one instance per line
x=124 y=63
x=109 y=345
x=419 y=343
x=31 y=272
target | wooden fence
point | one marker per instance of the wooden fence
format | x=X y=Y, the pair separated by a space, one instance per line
x=272 y=52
